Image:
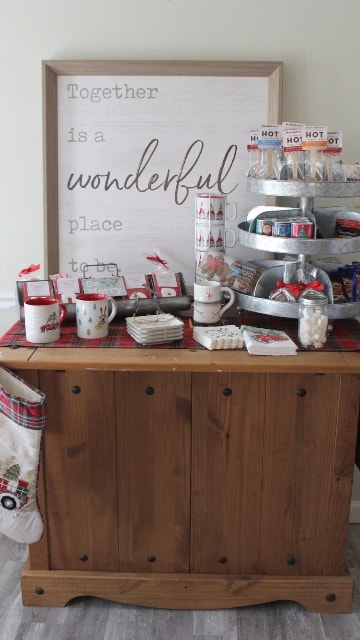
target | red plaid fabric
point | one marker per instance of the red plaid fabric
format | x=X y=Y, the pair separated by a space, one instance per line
x=345 y=334
x=25 y=413
x=118 y=338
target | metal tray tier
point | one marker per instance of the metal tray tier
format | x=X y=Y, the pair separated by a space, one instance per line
x=295 y=246
x=291 y=309
x=299 y=189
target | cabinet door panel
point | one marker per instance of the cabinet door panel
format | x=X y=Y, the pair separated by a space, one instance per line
x=227 y=445
x=300 y=435
x=153 y=442
x=79 y=461
x=343 y=472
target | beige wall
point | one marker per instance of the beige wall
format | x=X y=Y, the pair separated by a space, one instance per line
x=318 y=42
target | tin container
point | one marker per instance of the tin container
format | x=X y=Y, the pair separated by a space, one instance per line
x=301 y=229
x=282 y=228
x=264 y=226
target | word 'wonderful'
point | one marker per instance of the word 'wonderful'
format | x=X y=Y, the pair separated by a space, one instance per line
x=143 y=180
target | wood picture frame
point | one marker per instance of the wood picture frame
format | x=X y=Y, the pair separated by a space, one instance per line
x=233 y=96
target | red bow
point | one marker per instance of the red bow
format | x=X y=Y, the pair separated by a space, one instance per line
x=299 y=287
x=294 y=288
x=315 y=284
x=212 y=263
x=156 y=258
x=27 y=270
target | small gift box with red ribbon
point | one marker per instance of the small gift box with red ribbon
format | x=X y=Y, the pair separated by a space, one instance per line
x=293 y=290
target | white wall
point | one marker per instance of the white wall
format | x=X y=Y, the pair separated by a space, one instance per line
x=318 y=42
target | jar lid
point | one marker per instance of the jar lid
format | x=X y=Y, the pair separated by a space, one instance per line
x=314 y=303
x=312 y=296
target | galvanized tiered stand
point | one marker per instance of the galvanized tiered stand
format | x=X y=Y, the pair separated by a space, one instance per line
x=325 y=220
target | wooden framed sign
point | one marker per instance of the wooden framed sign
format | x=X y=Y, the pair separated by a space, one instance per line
x=127 y=147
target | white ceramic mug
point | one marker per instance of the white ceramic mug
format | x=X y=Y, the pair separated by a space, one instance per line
x=212 y=291
x=208 y=312
x=208 y=301
x=43 y=317
x=92 y=315
x=209 y=235
x=213 y=206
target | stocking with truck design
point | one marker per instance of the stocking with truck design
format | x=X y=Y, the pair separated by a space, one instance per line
x=22 y=419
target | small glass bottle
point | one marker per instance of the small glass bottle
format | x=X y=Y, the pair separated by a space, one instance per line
x=313 y=319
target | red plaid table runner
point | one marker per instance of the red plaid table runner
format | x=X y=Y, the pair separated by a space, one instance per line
x=345 y=335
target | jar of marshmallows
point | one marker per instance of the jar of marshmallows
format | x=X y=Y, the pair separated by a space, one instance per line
x=313 y=319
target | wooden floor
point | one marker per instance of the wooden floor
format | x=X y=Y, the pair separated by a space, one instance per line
x=92 y=619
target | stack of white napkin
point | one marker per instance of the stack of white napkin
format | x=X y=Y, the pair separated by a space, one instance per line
x=267 y=342
x=228 y=337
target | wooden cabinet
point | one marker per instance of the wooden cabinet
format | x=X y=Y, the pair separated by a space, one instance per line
x=195 y=480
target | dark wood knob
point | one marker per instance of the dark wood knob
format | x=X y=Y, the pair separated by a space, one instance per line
x=76 y=389
x=291 y=560
x=301 y=392
x=151 y=558
x=84 y=557
x=222 y=560
x=149 y=391
x=227 y=391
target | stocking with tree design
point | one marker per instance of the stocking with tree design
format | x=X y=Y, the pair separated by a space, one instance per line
x=22 y=419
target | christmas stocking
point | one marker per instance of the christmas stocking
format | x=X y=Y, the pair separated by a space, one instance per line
x=22 y=419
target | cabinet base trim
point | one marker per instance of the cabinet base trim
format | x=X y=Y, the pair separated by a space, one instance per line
x=318 y=594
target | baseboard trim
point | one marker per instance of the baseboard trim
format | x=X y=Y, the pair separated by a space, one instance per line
x=354 y=512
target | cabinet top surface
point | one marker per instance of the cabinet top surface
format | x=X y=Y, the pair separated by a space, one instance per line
x=177 y=360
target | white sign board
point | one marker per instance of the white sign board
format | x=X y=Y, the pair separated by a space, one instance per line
x=129 y=145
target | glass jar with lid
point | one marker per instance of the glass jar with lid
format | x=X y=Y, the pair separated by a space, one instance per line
x=313 y=319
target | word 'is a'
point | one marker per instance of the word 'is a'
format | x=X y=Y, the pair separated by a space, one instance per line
x=84 y=136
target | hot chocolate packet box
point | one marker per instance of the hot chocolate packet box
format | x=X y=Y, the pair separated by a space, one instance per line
x=29 y=289
x=111 y=286
x=247 y=277
x=63 y=288
x=66 y=287
x=166 y=285
x=137 y=286
x=36 y=288
x=139 y=305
